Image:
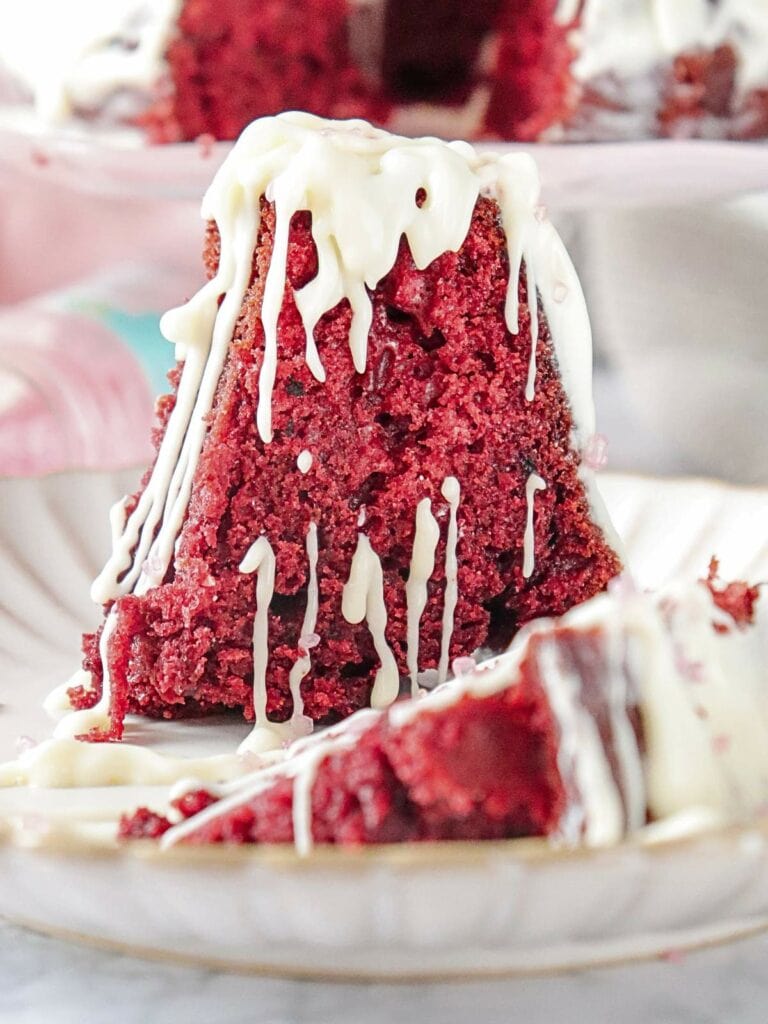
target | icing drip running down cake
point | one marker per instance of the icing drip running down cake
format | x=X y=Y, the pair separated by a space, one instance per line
x=371 y=462
x=632 y=707
x=514 y=69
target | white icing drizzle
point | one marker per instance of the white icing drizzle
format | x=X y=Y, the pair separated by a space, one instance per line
x=629 y=758
x=451 y=491
x=75 y=56
x=716 y=719
x=303 y=783
x=363 y=598
x=530 y=383
x=303 y=663
x=78 y=723
x=533 y=483
x=117 y=518
x=140 y=559
x=518 y=199
x=312 y=754
x=304 y=461
x=57 y=702
x=633 y=38
x=204 y=333
x=566 y=11
x=425 y=541
x=354 y=180
x=260 y=558
x=595 y=811
x=64 y=762
x=703 y=696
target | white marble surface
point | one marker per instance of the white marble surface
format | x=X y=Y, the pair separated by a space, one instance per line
x=43 y=979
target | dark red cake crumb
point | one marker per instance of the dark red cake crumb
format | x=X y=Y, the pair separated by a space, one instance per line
x=701 y=98
x=443 y=395
x=142 y=824
x=737 y=599
x=477 y=767
x=701 y=84
x=193 y=802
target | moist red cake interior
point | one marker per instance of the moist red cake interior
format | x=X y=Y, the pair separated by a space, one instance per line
x=442 y=395
x=231 y=62
x=482 y=768
x=531 y=80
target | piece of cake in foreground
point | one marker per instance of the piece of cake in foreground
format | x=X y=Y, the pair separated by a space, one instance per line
x=632 y=706
x=377 y=457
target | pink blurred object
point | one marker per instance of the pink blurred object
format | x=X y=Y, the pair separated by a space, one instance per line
x=72 y=395
x=52 y=235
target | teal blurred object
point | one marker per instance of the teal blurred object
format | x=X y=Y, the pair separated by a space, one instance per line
x=141 y=333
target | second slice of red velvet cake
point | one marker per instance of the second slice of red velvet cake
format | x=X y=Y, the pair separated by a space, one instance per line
x=373 y=458
x=634 y=706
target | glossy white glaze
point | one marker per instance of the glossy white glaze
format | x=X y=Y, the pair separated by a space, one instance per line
x=451 y=491
x=533 y=483
x=73 y=57
x=425 y=541
x=260 y=558
x=363 y=599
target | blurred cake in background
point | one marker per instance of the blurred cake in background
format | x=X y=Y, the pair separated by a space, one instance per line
x=73 y=393
x=511 y=69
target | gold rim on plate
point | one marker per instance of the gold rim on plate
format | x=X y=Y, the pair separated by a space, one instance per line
x=70 y=838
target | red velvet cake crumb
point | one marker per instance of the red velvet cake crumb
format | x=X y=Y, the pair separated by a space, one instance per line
x=228 y=65
x=142 y=824
x=193 y=802
x=738 y=599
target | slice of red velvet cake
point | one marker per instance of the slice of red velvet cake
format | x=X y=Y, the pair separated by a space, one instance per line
x=630 y=706
x=372 y=461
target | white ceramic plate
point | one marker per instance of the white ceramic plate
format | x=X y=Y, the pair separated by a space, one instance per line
x=444 y=910
x=574 y=175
